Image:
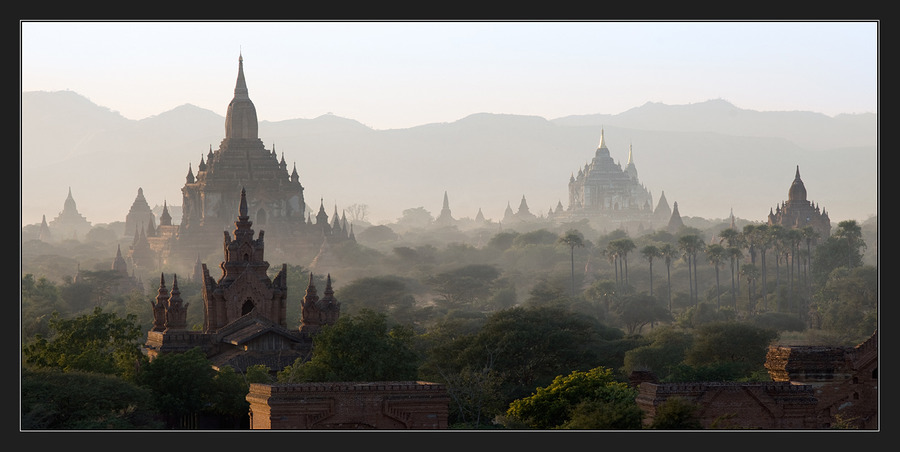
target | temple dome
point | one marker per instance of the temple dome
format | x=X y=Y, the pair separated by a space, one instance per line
x=241 y=120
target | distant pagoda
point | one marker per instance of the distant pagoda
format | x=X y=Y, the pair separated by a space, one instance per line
x=798 y=212
x=605 y=193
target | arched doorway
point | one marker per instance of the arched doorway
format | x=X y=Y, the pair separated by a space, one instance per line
x=247 y=307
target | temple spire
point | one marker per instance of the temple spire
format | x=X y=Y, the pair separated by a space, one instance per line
x=243 y=208
x=240 y=86
x=241 y=120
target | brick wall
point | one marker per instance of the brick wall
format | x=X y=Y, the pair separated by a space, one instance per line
x=812 y=387
x=773 y=405
x=351 y=405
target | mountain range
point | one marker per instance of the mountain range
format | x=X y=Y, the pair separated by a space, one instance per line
x=711 y=157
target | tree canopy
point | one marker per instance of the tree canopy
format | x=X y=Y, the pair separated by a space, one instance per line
x=99 y=342
x=591 y=399
x=359 y=347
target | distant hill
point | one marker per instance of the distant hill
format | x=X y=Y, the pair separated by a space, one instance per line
x=710 y=157
x=812 y=131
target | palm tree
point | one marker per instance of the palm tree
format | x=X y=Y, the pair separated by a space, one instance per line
x=810 y=235
x=626 y=246
x=690 y=245
x=572 y=238
x=612 y=255
x=602 y=291
x=793 y=239
x=668 y=253
x=729 y=236
x=715 y=253
x=735 y=239
x=850 y=231
x=764 y=243
x=751 y=272
x=777 y=234
x=753 y=237
x=618 y=249
x=735 y=254
x=750 y=241
x=651 y=252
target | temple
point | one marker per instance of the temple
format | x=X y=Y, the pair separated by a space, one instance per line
x=798 y=212
x=274 y=197
x=608 y=195
x=245 y=321
x=69 y=224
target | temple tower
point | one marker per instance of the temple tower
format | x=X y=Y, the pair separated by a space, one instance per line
x=244 y=286
x=606 y=194
x=798 y=212
x=140 y=215
x=69 y=224
x=241 y=162
x=445 y=218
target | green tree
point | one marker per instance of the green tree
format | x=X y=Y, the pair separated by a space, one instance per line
x=98 y=342
x=651 y=252
x=676 y=413
x=691 y=245
x=572 y=238
x=536 y=237
x=591 y=399
x=56 y=400
x=466 y=285
x=359 y=347
x=623 y=247
x=505 y=356
x=666 y=350
x=530 y=346
x=735 y=243
x=751 y=273
x=715 y=253
x=851 y=232
x=809 y=236
x=847 y=305
x=39 y=299
x=780 y=249
x=502 y=240
x=229 y=395
x=734 y=255
x=737 y=343
x=548 y=291
x=669 y=253
x=183 y=386
x=473 y=387
x=763 y=240
x=793 y=238
x=416 y=217
x=387 y=294
x=636 y=311
x=258 y=373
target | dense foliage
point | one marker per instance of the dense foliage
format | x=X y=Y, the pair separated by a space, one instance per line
x=57 y=400
x=498 y=315
x=358 y=348
x=591 y=399
x=97 y=342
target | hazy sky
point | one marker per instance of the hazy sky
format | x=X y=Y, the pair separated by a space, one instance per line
x=402 y=74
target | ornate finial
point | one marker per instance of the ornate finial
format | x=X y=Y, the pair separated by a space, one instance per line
x=243 y=207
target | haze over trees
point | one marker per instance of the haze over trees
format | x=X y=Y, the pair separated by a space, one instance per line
x=515 y=155
x=508 y=317
x=495 y=319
